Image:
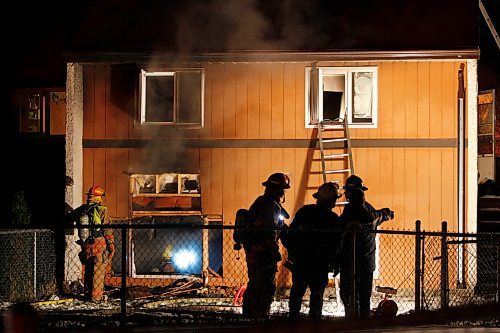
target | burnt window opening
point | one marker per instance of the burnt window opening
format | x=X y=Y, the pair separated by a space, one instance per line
x=172 y=97
x=159 y=99
x=167 y=251
x=164 y=194
x=170 y=251
x=336 y=92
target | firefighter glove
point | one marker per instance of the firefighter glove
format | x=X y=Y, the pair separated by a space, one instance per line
x=387 y=214
x=105 y=256
x=111 y=249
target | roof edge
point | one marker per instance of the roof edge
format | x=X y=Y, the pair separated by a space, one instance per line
x=266 y=56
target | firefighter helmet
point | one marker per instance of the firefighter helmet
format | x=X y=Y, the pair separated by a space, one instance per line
x=354 y=181
x=327 y=191
x=278 y=180
x=96 y=191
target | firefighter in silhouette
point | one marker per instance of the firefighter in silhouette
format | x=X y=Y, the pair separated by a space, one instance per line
x=312 y=241
x=97 y=244
x=262 y=249
x=360 y=221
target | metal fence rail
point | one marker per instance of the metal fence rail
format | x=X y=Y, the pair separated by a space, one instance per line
x=166 y=270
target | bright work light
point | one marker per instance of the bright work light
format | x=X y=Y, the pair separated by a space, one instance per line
x=184 y=259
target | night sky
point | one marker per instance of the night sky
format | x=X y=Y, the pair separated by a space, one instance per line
x=36 y=34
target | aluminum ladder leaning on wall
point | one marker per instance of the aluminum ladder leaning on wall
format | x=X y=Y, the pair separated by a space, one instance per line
x=336 y=149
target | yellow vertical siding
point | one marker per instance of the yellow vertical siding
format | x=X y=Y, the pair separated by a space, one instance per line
x=100 y=76
x=111 y=164
x=265 y=111
x=399 y=188
x=398 y=128
x=122 y=183
x=435 y=99
x=423 y=100
x=277 y=111
x=217 y=107
x=229 y=102
x=206 y=180
x=218 y=177
x=289 y=90
x=299 y=97
x=241 y=102
x=253 y=184
x=417 y=100
x=112 y=114
x=449 y=106
x=88 y=102
x=253 y=109
x=386 y=114
x=411 y=100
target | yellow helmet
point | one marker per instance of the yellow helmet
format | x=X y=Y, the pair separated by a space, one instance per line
x=167 y=252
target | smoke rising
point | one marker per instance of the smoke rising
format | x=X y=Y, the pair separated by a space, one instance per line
x=221 y=25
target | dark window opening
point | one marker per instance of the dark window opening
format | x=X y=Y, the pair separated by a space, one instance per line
x=160 y=99
x=332 y=101
x=189 y=103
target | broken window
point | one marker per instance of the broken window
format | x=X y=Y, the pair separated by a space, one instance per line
x=167 y=251
x=337 y=92
x=164 y=194
x=162 y=250
x=172 y=97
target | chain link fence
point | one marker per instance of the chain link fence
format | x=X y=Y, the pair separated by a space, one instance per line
x=189 y=269
x=27 y=265
x=459 y=270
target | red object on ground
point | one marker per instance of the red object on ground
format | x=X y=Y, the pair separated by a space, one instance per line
x=238 y=298
x=387 y=308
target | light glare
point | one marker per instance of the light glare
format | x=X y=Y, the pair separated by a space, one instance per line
x=184 y=259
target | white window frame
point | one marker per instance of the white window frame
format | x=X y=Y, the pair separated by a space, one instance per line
x=143 y=88
x=310 y=88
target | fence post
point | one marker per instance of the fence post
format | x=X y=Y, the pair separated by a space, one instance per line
x=417 y=265
x=205 y=250
x=444 y=266
x=123 y=290
x=351 y=310
x=498 y=271
x=34 y=265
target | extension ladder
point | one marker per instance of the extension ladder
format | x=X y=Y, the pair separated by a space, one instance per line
x=335 y=151
x=336 y=161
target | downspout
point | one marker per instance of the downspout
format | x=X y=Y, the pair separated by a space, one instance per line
x=461 y=176
x=471 y=217
x=467 y=186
